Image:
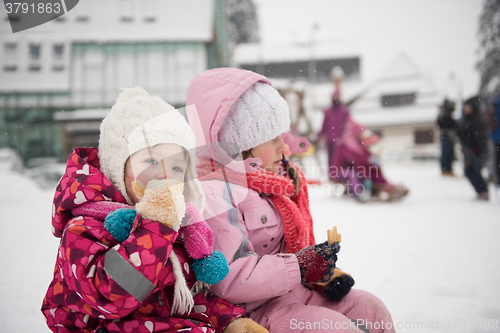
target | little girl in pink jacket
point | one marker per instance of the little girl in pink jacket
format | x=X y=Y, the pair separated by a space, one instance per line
x=260 y=217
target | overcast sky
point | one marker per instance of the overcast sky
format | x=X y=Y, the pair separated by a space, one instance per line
x=439 y=35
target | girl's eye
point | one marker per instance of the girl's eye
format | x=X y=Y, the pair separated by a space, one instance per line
x=177 y=169
x=152 y=161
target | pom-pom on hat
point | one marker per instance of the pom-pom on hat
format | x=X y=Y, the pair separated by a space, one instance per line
x=138 y=121
x=258 y=116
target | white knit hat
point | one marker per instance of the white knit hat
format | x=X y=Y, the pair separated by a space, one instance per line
x=258 y=116
x=139 y=121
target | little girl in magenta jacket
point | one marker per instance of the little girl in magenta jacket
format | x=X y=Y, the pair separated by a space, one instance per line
x=121 y=269
x=260 y=217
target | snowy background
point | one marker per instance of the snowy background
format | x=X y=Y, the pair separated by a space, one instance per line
x=441 y=37
x=432 y=258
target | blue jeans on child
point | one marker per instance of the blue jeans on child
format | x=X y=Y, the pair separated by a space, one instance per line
x=447 y=152
x=473 y=172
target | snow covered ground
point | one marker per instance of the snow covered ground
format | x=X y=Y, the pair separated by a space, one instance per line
x=433 y=258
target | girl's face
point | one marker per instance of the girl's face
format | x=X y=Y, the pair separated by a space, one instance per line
x=270 y=153
x=166 y=160
x=468 y=109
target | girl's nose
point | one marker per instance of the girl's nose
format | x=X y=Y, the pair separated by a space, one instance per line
x=162 y=172
x=283 y=147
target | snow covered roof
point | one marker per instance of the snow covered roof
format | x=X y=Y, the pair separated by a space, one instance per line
x=121 y=21
x=288 y=51
x=86 y=114
x=402 y=77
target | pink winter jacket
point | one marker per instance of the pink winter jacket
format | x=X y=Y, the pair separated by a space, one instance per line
x=97 y=284
x=247 y=227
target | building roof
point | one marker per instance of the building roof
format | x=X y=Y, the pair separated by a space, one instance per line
x=251 y=53
x=401 y=77
x=79 y=115
x=128 y=21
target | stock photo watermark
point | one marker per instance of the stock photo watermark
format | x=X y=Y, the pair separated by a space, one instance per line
x=27 y=14
x=348 y=180
x=446 y=324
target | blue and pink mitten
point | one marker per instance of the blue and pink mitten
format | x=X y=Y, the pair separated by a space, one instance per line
x=209 y=266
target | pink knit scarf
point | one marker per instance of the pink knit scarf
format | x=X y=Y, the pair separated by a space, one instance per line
x=293 y=209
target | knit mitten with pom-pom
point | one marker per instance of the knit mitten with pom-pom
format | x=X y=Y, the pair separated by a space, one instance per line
x=209 y=267
x=244 y=325
x=119 y=223
x=197 y=235
x=212 y=269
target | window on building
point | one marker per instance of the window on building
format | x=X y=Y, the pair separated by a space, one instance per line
x=82 y=19
x=149 y=10
x=35 y=51
x=34 y=68
x=127 y=9
x=10 y=49
x=58 y=57
x=84 y=11
x=35 y=55
x=10 y=57
x=388 y=101
x=9 y=68
x=58 y=51
x=423 y=136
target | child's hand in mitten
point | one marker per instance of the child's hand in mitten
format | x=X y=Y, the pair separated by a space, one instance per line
x=197 y=236
x=119 y=223
x=340 y=282
x=244 y=325
x=209 y=267
x=317 y=262
x=161 y=200
x=338 y=287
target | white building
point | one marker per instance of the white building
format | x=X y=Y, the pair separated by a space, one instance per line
x=402 y=107
x=81 y=60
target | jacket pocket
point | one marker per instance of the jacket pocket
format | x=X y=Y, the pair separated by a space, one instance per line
x=264 y=228
x=263 y=216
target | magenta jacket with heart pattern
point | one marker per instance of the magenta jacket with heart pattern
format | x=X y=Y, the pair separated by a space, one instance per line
x=86 y=294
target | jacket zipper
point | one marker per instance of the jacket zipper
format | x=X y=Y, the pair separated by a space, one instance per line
x=160 y=299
